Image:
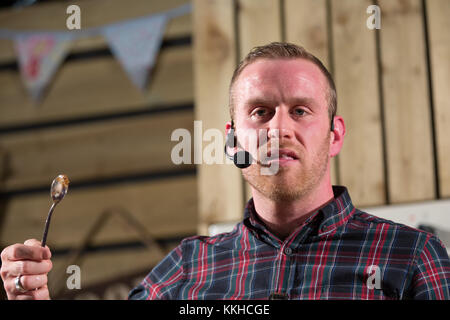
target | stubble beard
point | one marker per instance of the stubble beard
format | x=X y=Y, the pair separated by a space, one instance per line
x=290 y=184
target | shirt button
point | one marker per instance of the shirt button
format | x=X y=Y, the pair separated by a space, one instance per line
x=279 y=296
x=288 y=251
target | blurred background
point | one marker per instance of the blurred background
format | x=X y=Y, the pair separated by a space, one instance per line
x=128 y=204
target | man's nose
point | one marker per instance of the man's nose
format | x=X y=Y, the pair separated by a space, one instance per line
x=280 y=125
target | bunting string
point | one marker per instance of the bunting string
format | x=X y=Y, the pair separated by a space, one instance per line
x=135 y=43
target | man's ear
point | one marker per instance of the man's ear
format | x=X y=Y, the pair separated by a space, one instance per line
x=337 y=136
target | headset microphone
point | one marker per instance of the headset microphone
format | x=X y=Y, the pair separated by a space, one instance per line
x=241 y=159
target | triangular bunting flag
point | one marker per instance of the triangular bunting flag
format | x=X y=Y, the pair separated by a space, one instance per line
x=135 y=44
x=39 y=56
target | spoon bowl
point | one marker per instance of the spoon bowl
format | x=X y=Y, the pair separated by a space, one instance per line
x=59 y=188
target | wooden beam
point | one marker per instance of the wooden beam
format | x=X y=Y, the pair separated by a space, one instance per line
x=355 y=71
x=98 y=267
x=73 y=218
x=219 y=186
x=97 y=86
x=91 y=151
x=406 y=102
x=438 y=13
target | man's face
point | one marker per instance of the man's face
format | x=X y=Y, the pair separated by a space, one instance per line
x=288 y=95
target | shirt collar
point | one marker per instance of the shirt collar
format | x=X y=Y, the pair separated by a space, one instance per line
x=333 y=215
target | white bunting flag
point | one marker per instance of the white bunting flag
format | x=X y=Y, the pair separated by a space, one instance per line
x=135 y=44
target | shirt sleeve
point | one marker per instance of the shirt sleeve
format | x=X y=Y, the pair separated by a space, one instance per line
x=163 y=282
x=431 y=279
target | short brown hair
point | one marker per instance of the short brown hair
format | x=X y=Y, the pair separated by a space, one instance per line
x=283 y=50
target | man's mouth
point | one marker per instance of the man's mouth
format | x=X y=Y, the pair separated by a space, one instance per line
x=284 y=155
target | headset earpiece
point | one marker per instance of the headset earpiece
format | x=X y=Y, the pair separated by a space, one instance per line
x=241 y=159
x=231 y=139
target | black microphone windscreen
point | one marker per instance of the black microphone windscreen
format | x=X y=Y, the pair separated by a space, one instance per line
x=242 y=159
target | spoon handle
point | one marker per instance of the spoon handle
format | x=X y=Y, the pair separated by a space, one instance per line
x=47 y=223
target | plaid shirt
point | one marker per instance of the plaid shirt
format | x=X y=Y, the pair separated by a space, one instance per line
x=339 y=252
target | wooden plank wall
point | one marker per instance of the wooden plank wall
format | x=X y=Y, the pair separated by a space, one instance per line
x=437 y=13
x=392 y=87
x=220 y=189
x=112 y=140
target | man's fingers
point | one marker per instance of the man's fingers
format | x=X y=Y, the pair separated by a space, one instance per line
x=25 y=252
x=33 y=282
x=24 y=297
x=37 y=243
x=39 y=294
x=30 y=261
x=32 y=242
x=29 y=283
x=28 y=267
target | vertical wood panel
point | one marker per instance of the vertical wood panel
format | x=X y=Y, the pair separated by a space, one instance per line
x=219 y=186
x=306 y=25
x=355 y=71
x=438 y=16
x=259 y=24
x=407 y=107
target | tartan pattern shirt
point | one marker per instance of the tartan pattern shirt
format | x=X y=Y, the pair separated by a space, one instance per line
x=339 y=252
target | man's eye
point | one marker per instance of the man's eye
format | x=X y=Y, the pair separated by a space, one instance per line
x=299 y=112
x=260 y=112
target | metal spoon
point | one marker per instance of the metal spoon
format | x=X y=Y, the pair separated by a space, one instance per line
x=58 y=190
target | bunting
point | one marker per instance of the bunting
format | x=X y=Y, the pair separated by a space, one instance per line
x=134 y=43
x=39 y=56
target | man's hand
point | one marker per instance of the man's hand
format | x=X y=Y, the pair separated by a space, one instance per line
x=31 y=262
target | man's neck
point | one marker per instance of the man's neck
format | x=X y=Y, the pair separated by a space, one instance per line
x=283 y=217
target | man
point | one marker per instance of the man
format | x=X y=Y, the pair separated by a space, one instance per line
x=301 y=238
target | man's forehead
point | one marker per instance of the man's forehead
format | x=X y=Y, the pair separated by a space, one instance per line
x=269 y=77
x=264 y=68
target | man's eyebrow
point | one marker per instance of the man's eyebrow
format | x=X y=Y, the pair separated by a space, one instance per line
x=302 y=101
x=260 y=101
